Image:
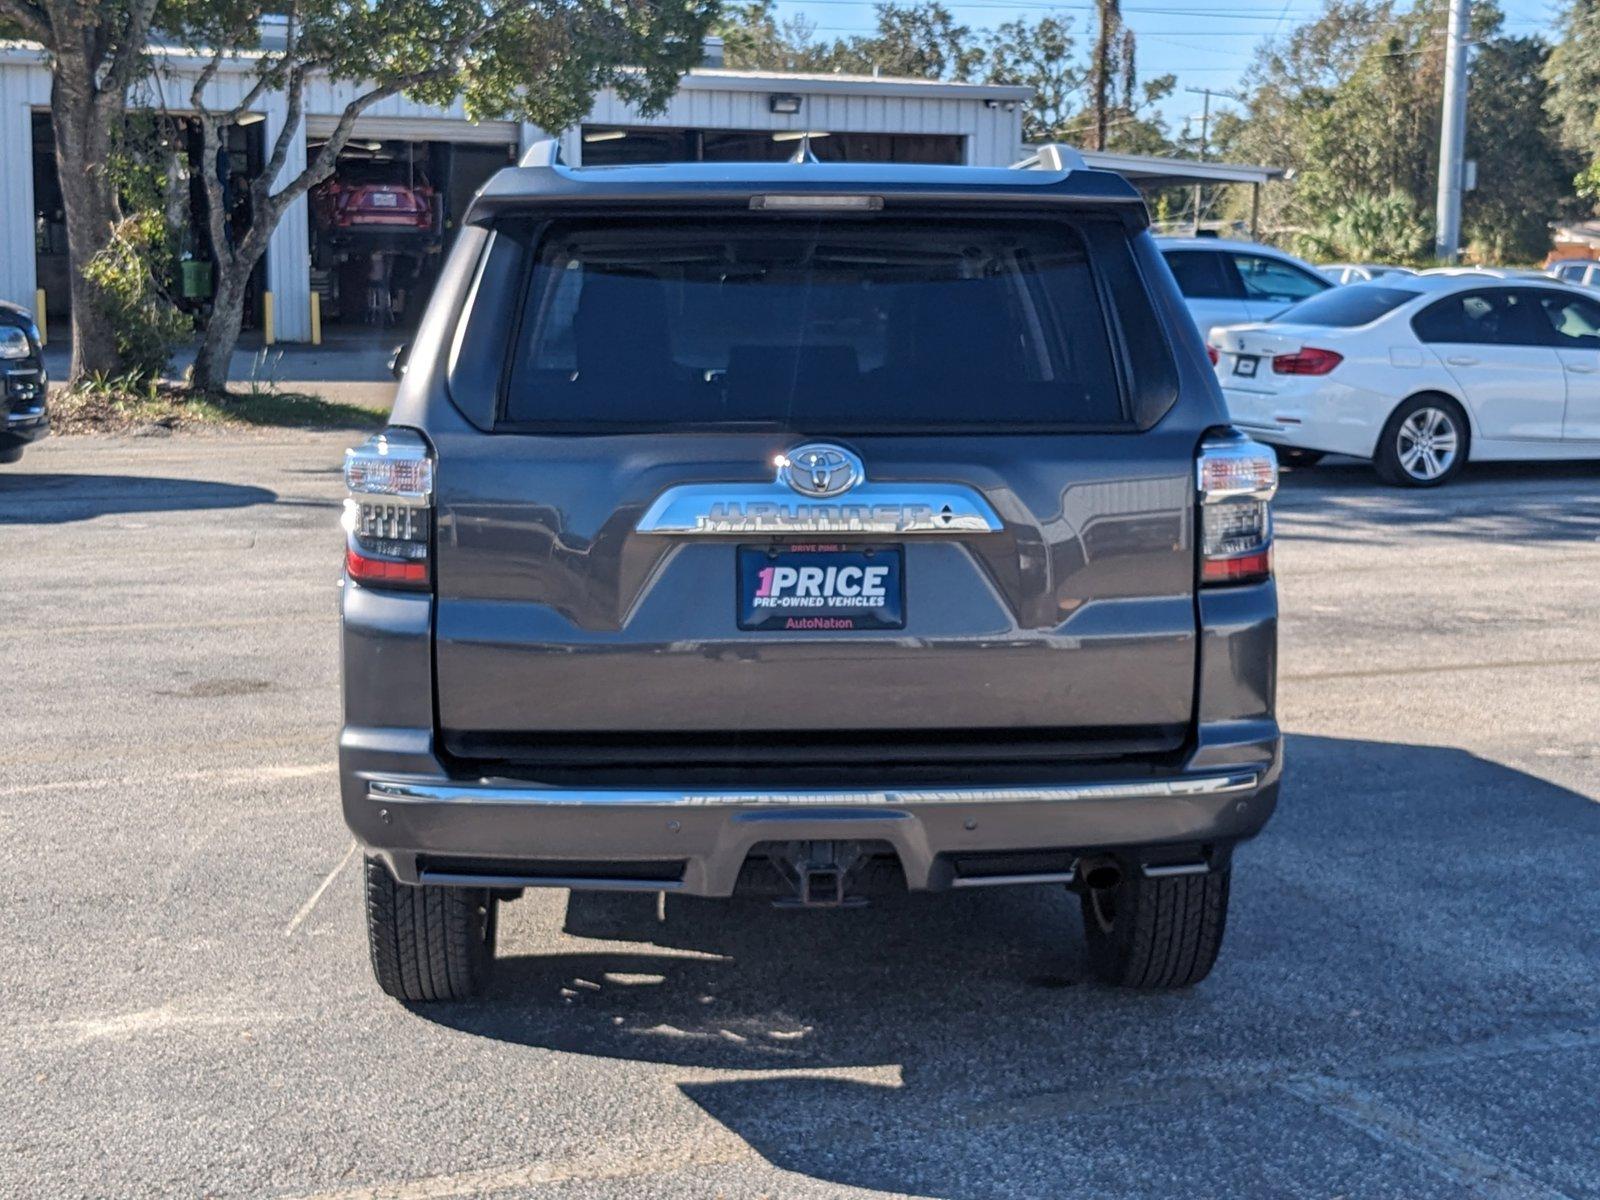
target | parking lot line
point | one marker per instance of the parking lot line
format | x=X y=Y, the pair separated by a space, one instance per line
x=1522 y=664
x=1479 y=1175
x=218 y=775
x=327 y=882
x=724 y=1150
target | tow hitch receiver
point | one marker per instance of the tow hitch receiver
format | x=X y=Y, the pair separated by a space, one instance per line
x=819 y=872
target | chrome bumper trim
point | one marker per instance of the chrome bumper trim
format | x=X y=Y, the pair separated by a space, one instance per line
x=393 y=791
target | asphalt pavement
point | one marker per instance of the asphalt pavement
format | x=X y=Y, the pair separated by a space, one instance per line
x=1407 y=1004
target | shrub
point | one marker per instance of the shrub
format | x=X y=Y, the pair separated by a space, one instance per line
x=127 y=275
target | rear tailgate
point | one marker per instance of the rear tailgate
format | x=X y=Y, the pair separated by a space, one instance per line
x=665 y=366
x=557 y=618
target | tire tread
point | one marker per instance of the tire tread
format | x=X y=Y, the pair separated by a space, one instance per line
x=1167 y=931
x=427 y=943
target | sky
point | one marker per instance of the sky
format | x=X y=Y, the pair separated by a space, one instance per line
x=1206 y=43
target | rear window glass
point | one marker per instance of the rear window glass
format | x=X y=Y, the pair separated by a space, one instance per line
x=851 y=325
x=1347 y=307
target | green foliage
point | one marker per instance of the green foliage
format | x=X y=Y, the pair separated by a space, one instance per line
x=1370 y=228
x=1573 y=75
x=1040 y=55
x=536 y=60
x=1524 y=173
x=923 y=41
x=1351 y=102
x=1588 y=183
x=753 y=39
x=127 y=275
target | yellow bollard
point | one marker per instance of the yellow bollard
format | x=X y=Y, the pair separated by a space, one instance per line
x=39 y=317
x=316 y=318
x=266 y=319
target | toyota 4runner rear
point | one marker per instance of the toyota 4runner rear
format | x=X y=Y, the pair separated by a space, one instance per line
x=809 y=529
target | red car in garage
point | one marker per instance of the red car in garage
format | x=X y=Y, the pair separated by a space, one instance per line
x=376 y=207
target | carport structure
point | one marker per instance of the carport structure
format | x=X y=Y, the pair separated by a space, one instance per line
x=1150 y=172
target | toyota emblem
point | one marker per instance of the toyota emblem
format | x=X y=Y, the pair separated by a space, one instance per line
x=818 y=469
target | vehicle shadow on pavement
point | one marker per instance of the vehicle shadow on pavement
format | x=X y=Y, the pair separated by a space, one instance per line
x=28 y=498
x=1499 y=502
x=952 y=1045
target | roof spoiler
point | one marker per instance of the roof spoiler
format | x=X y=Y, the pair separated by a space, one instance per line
x=1056 y=157
x=546 y=152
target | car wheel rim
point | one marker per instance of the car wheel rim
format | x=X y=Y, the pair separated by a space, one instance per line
x=1427 y=443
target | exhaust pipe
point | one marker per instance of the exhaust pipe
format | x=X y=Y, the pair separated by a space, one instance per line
x=1099 y=874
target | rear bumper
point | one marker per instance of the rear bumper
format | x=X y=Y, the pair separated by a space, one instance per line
x=509 y=834
x=430 y=827
x=1314 y=415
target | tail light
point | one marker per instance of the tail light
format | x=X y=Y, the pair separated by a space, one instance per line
x=388 y=513
x=1237 y=479
x=1308 y=360
x=1211 y=353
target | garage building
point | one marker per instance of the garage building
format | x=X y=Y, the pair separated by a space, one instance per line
x=368 y=242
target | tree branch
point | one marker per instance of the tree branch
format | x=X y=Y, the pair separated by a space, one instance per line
x=32 y=18
x=203 y=80
x=131 y=47
x=216 y=215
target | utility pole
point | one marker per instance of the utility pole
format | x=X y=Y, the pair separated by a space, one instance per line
x=1205 y=136
x=1110 y=17
x=1452 y=133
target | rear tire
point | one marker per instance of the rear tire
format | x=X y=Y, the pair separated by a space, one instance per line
x=10 y=454
x=1424 y=443
x=428 y=943
x=1156 y=933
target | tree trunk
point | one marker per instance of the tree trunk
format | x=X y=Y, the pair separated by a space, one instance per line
x=83 y=148
x=210 y=371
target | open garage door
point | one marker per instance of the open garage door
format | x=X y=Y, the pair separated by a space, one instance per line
x=381 y=223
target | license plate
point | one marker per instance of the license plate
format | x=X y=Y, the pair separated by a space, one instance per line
x=802 y=586
x=1246 y=366
x=385 y=200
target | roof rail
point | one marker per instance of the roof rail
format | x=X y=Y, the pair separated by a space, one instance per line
x=546 y=152
x=1052 y=156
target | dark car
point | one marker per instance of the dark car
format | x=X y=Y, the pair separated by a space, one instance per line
x=806 y=529
x=24 y=416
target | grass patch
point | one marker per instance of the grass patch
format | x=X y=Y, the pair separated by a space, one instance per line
x=115 y=408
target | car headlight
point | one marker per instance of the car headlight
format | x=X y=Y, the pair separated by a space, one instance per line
x=14 y=342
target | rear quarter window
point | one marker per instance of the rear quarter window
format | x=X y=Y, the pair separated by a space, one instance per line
x=833 y=325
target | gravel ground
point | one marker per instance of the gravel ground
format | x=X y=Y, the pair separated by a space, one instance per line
x=1408 y=1003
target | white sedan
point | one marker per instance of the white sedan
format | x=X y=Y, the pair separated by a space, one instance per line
x=1421 y=374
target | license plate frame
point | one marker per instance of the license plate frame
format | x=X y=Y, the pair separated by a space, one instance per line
x=865 y=589
x=1246 y=364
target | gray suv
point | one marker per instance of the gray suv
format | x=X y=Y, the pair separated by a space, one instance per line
x=806 y=529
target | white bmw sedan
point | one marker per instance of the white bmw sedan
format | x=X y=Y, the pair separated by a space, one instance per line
x=1421 y=374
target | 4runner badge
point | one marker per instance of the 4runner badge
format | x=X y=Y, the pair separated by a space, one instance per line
x=833 y=497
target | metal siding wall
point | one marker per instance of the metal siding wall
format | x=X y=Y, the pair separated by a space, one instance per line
x=991 y=135
x=289 y=251
x=22 y=88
